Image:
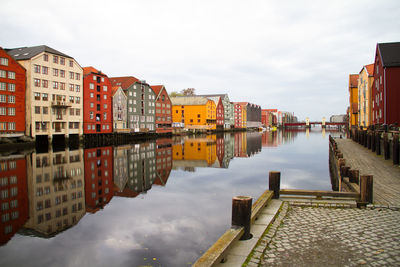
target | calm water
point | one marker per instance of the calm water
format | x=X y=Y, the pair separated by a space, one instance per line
x=160 y=203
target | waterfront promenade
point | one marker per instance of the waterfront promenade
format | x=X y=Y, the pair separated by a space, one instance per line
x=386 y=184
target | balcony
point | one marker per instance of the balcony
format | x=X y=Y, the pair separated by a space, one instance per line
x=60 y=104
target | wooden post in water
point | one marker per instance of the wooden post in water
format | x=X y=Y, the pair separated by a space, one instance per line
x=386 y=152
x=354 y=176
x=241 y=214
x=275 y=183
x=378 y=143
x=373 y=141
x=396 y=149
x=366 y=188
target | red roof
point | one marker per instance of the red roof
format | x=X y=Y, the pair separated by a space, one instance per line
x=370 y=69
x=88 y=70
x=114 y=89
x=157 y=88
x=124 y=82
x=353 y=80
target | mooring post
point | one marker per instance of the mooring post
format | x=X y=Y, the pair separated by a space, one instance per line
x=275 y=183
x=373 y=143
x=241 y=214
x=366 y=188
x=386 y=152
x=378 y=143
x=396 y=149
x=354 y=176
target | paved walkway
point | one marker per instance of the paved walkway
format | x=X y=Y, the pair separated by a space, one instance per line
x=322 y=236
x=386 y=187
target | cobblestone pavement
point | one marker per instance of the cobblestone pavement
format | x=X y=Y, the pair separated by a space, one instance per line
x=321 y=236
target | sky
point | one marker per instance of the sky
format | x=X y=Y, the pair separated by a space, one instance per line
x=295 y=56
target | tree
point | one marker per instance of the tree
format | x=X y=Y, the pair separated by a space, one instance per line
x=188 y=91
x=174 y=94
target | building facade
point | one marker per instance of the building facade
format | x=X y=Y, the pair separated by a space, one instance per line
x=194 y=112
x=97 y=102
x=163 y=109
x=53 y=87
x=365 y=82
x=120 y=109
x=229 y=120
x=385 y=92
x=240 y=115
x=353 y=100
x=12 y=96
x=141 y=103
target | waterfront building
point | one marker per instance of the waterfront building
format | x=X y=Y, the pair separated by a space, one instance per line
x=163 y=109
x=220 y=120
x=56 y=192
x=353 y=100
x=229 y=120
x=14 y=208
x=97 y=102
x=240 y=115
x=99 y=184
x=241 y=145
x=140 y=102
x=268 y=117
x=338 y=118
x=192 y=153
x=252 y=116
x=120 y=109
x=12 y=96
x=53 y=87
x=365 y=82
x=194 y=112
x=385 y=91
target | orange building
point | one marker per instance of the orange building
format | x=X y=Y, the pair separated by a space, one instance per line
x=193 y=112
x=199 y=152
x=353 y=100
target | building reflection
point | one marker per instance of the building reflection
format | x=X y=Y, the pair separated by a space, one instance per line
x=99 y=184
x=13 y=198
x=191 y=153
x=163 y=160
x=55 y=191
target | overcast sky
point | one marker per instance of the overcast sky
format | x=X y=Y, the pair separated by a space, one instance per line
x=292 y=55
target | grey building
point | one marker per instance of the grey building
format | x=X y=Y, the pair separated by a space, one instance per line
x=140 y=103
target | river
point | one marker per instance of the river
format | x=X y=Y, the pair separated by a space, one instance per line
x=158 y=203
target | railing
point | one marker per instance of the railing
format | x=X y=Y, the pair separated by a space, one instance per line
x=61 y=104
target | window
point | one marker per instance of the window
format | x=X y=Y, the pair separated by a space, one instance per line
x=36 y=82
x=71 y=99
x=3 y=125
x=37 y=96
x=78 y=100
x=45 y=110
x=55 y=85
x=62 y=73
x=62 y=86
x=11 y=87
x=11 y=111
x=77 y=76
x=62 y=61
x=105 y=115
x=55 y=59
x=71 y=75
x=71 y=87
x=11 y=125
x=45 y=83
x=55 y=72
x=3 y=86
x=4 y=61
x=3 y=74
x=36 y=68
x=105 y=88
x=91 y=95
x=91 y=104
x=77 y=112
x=45 y=97
x=105 y=106
x=71 y=63
x=91 y=85
x=45 y=70
x=71 y=111
x=3 y=111
x=11 y=99
x=78 y=88
x=46 y=57
x=37 y=110
x=105 y=97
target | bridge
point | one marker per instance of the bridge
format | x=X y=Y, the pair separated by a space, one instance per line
x=309 y=123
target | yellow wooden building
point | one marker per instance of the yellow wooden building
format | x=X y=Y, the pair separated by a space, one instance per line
x=353 y=100
x=194 y=112
x=365 y=82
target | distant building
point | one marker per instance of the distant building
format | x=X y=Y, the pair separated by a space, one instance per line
x=365 y=82
x=220 y=120
x=385 y=91
x=163 y=109
x=268 y=118
x=353 y=100
x=253 y=114
x=229 y=120
x=53 y=87
x=119 y=110
x=12 y=96
x=194 y=112
x=141 y=103
x=338 y=118
x=240 y=114
x=97 y=102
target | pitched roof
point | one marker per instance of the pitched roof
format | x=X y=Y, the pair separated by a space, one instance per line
x=124 y=82
x=114 y=89
x=22 y=53
x=157 y=88
x=215 y=99
x=88 y=70
x=370 y=69
x=390 y=54
x=353 y=80
x=188 y=100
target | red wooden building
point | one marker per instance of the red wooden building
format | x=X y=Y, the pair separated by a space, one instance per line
x=97 y=102
x=163 y=109
x=14 y=204
x=99 y=185
x=239 y=115
x=163 y=160
x=385 y=90
x=267 y=117
x=12 y=96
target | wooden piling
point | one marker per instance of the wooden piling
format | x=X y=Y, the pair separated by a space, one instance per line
x=396 y=149
x=275 y=183
x=373 y=143
x=241 y=214
x=386 y=151
x=378 y=143
x=366 y=188
x=354 y=176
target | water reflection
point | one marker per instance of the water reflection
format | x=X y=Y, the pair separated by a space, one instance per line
x=43 y=194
